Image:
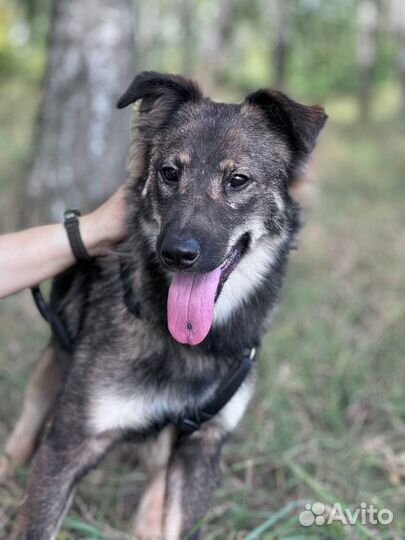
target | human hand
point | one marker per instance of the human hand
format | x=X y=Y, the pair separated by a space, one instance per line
x=105 y=226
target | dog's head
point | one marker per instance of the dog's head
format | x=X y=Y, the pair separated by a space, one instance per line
x=215 y=183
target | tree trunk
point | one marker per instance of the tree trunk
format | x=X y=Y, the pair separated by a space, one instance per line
x=148 y=46
x=367 y=22
x=81 y=141
x=281 y=11
x=398 y=28
x=186 y=11
x=216 y=44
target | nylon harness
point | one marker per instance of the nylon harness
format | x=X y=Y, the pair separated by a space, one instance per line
x=187 y=423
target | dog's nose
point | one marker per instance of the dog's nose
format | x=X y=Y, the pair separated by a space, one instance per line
x=181 y=254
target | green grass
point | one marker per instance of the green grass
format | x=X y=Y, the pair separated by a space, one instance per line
x=328 y=424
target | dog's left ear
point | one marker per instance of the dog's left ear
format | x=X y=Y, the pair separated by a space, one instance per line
x=150 y=86
x=300 y=123
x=161 y=95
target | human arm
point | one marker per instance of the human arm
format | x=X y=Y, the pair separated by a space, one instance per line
x=31 y=256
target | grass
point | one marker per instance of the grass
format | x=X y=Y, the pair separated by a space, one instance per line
x=328 y=424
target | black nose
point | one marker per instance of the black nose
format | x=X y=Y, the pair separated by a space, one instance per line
x=180 y=254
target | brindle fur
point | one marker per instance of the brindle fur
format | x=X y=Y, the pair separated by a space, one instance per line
x=128 y=378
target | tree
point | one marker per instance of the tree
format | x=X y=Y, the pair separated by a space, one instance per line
x=81 y=141
x=216 y=43
x=367 y=21
x=281 y=14
x=186 y=8
x=148 y=40
x=398 y=27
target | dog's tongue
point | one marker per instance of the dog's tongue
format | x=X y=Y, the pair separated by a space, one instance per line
x=190 y=305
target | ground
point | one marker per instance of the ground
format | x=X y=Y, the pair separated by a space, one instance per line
x=328 y=424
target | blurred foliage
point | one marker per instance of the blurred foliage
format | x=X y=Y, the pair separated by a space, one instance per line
x=23 y=31
x=177 y=35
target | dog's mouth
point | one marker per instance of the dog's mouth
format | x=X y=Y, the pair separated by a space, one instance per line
x=192 y=297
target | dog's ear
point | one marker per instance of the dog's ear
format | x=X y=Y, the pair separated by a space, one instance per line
x=160 y=96
x=300 y=123
x=150 y=86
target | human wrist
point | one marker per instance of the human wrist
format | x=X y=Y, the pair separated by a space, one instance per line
x=106 y=226
x=92 y=235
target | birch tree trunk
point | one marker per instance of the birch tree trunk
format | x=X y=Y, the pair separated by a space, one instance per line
x=81 y=141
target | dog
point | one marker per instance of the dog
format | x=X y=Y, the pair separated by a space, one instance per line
x=211 y=224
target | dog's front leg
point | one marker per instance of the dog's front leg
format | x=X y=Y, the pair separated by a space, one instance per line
x=39 y=398
x=63 y=458
x=192 y=475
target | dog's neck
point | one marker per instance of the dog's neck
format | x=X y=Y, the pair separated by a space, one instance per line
x=244 y=307
x=246 y=280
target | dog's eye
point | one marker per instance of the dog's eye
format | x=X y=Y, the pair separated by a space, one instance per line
x=238 y=182
x=169 y=175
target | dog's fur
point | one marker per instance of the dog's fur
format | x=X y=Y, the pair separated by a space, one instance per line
x=128 y=378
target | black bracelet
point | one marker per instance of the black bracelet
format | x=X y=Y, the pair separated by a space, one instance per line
x=71 y=223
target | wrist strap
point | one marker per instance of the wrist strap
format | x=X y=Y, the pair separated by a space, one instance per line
x=71 y=223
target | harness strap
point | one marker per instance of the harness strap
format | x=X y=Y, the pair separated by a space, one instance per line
x=192 y=422
x=188 y=423
x=71 y=224
x=56 y=323
x=129 y=296
x=53 y=319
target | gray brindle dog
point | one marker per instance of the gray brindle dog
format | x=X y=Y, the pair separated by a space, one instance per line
x=211 y=224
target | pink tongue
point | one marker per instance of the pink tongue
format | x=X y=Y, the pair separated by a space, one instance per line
x=190 y=305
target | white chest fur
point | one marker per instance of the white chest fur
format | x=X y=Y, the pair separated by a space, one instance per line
x=246 y=277
x=111 y=411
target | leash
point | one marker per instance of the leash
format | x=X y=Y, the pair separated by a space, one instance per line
x=58 y=328
x=71 y=224
x=185 y=424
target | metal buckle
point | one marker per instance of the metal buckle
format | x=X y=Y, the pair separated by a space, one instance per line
x=250 y=353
